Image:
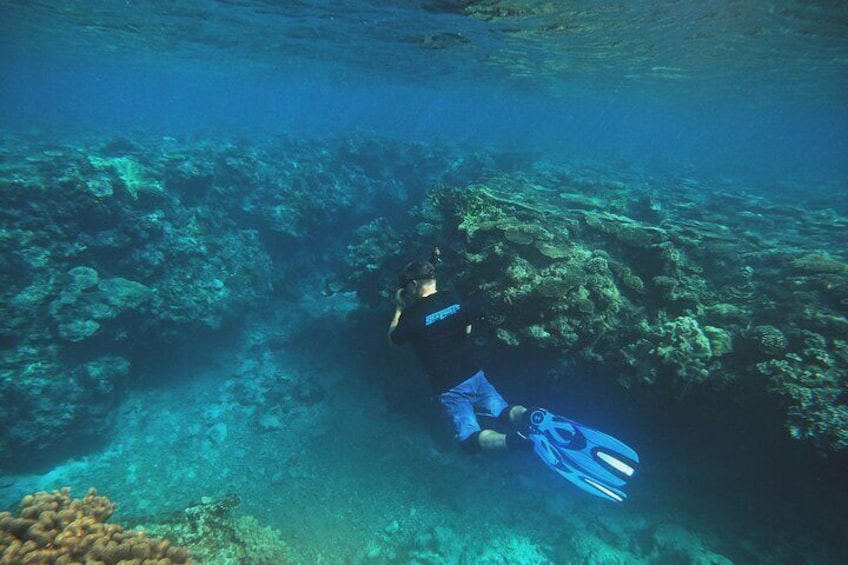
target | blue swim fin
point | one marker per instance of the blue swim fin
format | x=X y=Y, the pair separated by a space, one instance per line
x=594 y=461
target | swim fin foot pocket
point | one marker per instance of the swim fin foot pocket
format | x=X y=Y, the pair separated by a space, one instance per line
x=595 y=462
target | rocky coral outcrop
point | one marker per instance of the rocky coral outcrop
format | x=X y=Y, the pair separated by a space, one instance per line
x=48 y=402
x=100 y=256
x=673 y=295
x=215 y=535
x=399 y=542
x=113 y=248
x=84 y=300
x=812 y=381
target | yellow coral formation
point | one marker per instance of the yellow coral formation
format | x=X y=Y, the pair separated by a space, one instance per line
x=53 y=529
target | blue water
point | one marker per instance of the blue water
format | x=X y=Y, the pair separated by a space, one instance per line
x=752 y=91
x=751 y=97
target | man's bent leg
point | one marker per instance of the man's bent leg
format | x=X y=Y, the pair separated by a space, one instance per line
x=457 y=405
x=513 y=415
x=516 y=414
x=490 y=440
x=478 y=392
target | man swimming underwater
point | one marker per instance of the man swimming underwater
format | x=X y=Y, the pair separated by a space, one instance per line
x=438 y=326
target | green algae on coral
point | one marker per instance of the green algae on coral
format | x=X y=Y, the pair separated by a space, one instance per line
x=553 y=251
x=134 y=176
x=518 y=236
x=633 y=282
x=820 y=263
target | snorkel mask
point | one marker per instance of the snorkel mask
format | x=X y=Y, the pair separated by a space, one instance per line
x=419 y=270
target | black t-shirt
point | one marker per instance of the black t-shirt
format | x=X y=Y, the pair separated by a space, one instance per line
x=435 y=326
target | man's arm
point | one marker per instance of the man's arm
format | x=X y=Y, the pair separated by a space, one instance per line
x=398 y=311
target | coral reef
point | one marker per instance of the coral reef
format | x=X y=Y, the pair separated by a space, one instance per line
x=813 y=383
x=678 y=348
x=377 y=247
x=54 y=529
x=111 y=248
x=100 y=258
x=665 y=294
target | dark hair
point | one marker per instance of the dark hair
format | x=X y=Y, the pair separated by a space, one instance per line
x=416 y=271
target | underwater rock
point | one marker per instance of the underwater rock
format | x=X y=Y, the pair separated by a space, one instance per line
x=191 y=178
x=673 y=542
x=399 y=543
x=102 y=376
x=54 y=403
x=213 y=535
x=85 y=302
x=586 y=548
x=647 y=207
x=119 y=145
x=623 y=229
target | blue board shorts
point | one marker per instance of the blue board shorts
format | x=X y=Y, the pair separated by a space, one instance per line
x=470 y=397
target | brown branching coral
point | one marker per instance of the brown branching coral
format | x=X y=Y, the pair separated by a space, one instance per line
x=51 y=528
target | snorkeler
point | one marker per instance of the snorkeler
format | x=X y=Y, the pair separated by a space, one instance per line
x=438 y=326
